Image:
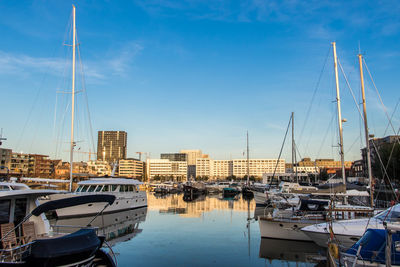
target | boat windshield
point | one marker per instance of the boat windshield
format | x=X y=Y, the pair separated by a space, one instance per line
x=389 y=215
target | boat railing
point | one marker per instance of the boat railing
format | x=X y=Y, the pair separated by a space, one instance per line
x=14 y=254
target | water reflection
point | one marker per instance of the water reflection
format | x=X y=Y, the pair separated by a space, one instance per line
x=289 y=251
x=175 y=204
x=116 y=227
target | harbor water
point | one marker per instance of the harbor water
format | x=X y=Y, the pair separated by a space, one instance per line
x=211 y=231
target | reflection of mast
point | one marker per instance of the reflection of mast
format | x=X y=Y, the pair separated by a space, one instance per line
x=248 y=160
x=248 y=226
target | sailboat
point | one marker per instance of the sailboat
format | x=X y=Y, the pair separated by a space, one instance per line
x=287 y=224
x=127 y=192
x=246 y=189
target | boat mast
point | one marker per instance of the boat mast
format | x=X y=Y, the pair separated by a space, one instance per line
x=294 y=149
x=71 y=156
x=339 y=113
x=248 y=160
x=366 y=131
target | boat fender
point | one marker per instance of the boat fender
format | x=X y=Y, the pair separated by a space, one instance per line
x=333 y=250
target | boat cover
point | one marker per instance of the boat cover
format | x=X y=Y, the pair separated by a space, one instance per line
x=69 y=248
x=373 y=244
x=72 y=201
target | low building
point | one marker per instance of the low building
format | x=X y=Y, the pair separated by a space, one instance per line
x=40 y=166
x=19 y=163
x=5 y=160
x=99 y=168
x=131 y=168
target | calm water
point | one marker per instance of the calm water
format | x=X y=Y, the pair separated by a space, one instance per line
x=208 y=232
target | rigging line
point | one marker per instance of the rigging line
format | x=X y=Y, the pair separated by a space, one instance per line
x=380 y=99
x=314 y=94
x=351 y=146
x=86 y=98
x=280 y=152
x=325 y=136
x=391 y=117
x=351 y=91
x=55 y=118
x=385 y=172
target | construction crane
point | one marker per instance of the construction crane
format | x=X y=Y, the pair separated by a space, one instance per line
x=83 y=152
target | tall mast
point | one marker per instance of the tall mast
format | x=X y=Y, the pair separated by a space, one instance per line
x=294 y=150
x=71 y=156
x=366 y=130
x=248 y=159
x=339 y=113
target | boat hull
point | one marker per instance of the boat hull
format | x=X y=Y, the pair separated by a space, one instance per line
x=289 y=230
x=321 y=239
x=122 y=202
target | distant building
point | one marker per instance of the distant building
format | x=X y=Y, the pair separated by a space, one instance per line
x=192 y=155
x=99 y=168
x=5 y=160
x=19 y=163
x=174 y=156
x=40 y=166
x=132 y=168
x=111 y=145
x=166 y=168
x=221 y=169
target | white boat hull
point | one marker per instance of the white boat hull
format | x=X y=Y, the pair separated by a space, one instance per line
x=321 y=239
x=123 y=201
x=288 y=230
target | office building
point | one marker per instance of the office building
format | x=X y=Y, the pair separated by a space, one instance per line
x=131 y=168
x=111 y=146
x=174 y=156
x=192 y=155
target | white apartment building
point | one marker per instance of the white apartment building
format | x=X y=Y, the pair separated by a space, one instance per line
x=132 y=168
x=257 y=167
x=165 y=168
x=221 y=169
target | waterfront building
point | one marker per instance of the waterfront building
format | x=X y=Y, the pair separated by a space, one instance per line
x=258 y=167
x=222 y=169
x=167 y=169
x=132 y=168
x=174 y=156
x=111 y=146
x=99 y=168
x=191 y=156
x=204 y=167
x=5 y=160
x=40 y=166
x=19 y=163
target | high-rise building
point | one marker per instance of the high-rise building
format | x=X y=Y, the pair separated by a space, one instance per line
x=192 y=155
x=111 y=145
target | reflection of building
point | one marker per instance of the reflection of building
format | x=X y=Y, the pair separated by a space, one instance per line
x=131 y=168
x=197 y=208
x=111 y=145
x=166 y=168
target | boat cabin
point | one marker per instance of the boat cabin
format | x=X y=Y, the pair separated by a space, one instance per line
x=108 y=185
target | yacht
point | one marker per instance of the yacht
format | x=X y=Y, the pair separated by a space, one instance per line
x=126 y=191
x=287 y=224
x=28 y=240
x=347 y=232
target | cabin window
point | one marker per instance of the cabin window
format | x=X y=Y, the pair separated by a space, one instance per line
x=91 y=188
x=131 y=188
x=114 y=187
x=79 y=189
x=20 y=210
x=5 y=211
x=98 y=189
x=4 y=188
x=105 y=188
x=122 y=188
x=84 y=188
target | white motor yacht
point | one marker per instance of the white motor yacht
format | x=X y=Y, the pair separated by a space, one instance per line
x=127 y=193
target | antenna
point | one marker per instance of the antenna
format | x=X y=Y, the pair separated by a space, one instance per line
x=1 y=137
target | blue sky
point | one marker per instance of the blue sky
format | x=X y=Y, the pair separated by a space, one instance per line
x=196 y=74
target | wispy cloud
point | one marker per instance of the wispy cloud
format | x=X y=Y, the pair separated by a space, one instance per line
x=119 y=64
